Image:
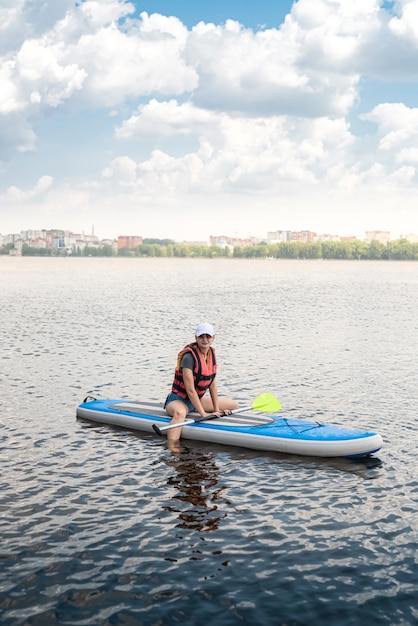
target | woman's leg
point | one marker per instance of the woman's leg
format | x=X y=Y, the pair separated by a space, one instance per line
x=224 y=404
x=178 y=412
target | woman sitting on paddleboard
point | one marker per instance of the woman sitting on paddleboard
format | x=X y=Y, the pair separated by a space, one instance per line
x=195 y=374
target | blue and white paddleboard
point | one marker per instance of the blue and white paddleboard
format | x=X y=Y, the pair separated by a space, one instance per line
x=249 y=429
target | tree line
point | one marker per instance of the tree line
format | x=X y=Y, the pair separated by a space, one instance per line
x=399 y=250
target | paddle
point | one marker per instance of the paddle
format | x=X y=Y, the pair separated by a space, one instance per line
x=265 y=402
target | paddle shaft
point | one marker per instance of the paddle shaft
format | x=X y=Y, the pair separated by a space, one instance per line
x=160 y=430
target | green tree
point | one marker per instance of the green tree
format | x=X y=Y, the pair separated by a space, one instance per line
x=376 y=250
x=288 y=250
x=124 y=252
x=400 y=250
x=6 y=249
x=311 y=250
x=32 y=251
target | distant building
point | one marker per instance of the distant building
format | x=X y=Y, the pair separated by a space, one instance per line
x=194 y=243
x=279 y=236
x=223 y=241
x=17 y=250
x=129 y=241
x=410 y=237
x=10 y=239
x=328 y=237
x=382 y=236
x=58 y=242
x=40 y=243
x=304 y=235
x=31 y=235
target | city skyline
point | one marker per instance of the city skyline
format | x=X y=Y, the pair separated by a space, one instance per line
x=183 y=118
x=44 y=237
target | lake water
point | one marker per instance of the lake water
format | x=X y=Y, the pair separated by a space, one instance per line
x=105 y=526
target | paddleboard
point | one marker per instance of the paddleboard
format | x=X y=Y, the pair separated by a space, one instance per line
x=250 y=429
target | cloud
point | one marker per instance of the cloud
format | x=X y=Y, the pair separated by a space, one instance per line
x=216 y=115
x=405 y=26
x=44 y=79
x=123 y=169
x=96 y=55
x=17 y=136
x=87 y=56
x=21 y=20
x=166 y=119
x=264 y=72
x=235 y=151
x=41 y=186
x=396 y=123
x=396 y=140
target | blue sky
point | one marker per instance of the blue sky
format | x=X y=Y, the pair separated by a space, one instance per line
x=185 y=119
x=255 y=15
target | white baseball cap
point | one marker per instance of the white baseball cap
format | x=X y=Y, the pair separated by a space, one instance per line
x=204 y=329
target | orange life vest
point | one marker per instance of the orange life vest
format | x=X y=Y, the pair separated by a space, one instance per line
x=204 y=371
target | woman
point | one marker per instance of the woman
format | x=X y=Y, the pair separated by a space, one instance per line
x=195 y=374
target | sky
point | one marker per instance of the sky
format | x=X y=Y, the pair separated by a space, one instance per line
x=184 y=119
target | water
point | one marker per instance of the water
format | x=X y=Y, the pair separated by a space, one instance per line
x=105 y=526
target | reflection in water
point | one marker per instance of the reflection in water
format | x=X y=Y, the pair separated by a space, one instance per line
x=367 y=463
x=195 y=479
x=367 y=467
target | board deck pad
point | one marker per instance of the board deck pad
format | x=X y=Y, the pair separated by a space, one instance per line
x=156 y=410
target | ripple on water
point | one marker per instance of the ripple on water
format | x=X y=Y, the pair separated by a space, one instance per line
x=102 y=526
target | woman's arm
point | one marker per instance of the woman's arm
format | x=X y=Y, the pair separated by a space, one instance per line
x=213 y=390
x=188 y=380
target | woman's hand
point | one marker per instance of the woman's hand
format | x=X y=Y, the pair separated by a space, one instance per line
x=217 y=413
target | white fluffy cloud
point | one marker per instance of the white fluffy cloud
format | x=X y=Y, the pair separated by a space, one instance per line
x=166 y=119
x=97 y=54
x=218 y=112
x=41 y=186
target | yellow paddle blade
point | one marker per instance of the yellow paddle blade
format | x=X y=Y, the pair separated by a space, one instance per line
x=267 y=403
